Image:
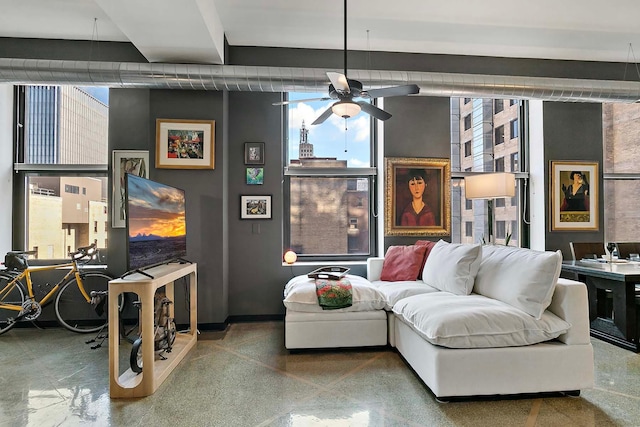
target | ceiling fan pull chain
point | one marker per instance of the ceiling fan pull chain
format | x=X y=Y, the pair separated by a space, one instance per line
x=345 y=135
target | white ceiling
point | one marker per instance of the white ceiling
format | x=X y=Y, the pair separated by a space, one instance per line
x=191 y=31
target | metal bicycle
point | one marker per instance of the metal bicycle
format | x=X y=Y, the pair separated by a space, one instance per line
x=80 y=296
x=164 y=333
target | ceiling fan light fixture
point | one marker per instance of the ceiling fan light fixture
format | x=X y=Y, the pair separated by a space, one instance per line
x=345 y=109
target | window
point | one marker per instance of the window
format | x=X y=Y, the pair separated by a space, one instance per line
x=467 y=100
x=513 y=102
x=514 y=128
x=514 y=162
x=468 y=229
x=66 y=206
x=499 y=135
x=488 y=158
x=467 y=122
x=328 y=190
x=467 y=148
x=500 y=229
x=498 y=106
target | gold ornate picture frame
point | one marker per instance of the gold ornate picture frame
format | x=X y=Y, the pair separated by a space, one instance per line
x=417 y=196
x=574 y=196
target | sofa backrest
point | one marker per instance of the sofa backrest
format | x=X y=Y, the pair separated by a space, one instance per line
x=522 y=278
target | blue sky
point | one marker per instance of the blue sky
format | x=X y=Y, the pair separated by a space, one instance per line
x=328 y=138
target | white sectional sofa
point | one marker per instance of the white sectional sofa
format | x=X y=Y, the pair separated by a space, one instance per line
x=483 y=320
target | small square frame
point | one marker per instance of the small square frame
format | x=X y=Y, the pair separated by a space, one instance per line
x=255 y=176
x=254 y=153
x=255 y=207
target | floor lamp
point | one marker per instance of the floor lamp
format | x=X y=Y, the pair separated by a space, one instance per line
x=489 y=186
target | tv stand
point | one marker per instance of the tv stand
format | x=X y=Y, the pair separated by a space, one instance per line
x=154 y=372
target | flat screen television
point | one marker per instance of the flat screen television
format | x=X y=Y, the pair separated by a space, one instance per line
x=155 y=223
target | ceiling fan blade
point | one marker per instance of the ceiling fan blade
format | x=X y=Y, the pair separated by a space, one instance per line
x=324 y=116
x=374 y=111
x=392 y=91
x=339 y=82
x=295 y=101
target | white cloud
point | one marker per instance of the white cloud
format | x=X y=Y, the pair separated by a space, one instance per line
x=300 y=112
x=358 y=127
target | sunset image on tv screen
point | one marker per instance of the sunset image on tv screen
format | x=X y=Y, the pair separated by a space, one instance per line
x=156 y=222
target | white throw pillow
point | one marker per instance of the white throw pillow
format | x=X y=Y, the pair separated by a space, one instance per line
x=475 y=321
x=300 y=295
x=452 y=267
x=523 y=278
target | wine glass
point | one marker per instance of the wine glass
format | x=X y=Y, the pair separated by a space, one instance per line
x=611 y=246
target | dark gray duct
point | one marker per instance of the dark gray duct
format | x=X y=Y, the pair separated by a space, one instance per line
x=285 y=79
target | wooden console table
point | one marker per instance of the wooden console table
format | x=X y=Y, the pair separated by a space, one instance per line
x=610 y=284
x=154 y=372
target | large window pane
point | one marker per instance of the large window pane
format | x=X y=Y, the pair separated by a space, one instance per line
x=329 y=216
x=64 y=127
x=64 y=213
x=621 y=127
x=489 y=148
x=328 y=182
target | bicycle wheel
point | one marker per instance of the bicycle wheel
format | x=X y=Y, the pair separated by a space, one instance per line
x=13 y=295
x=135 y=359
x=77 y=313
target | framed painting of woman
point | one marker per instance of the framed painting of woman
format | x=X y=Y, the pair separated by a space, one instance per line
x=574 y=195
x=417 y=197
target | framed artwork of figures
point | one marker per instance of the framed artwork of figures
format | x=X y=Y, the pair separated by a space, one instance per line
x=125 y=161
x=417 y=197
x=185 y=144
x=574 y=195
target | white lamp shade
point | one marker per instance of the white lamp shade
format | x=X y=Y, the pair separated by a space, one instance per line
x=345 y=109
x=290 y=257
x=490 y=185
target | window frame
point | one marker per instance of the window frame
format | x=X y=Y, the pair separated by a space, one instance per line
x=370 y=173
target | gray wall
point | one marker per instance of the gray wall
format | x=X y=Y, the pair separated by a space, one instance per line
x=573 y=132
x=240 y=271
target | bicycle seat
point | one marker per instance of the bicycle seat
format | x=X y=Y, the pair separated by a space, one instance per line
x=22 y=252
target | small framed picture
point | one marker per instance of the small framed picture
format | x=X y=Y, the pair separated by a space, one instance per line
x=574 y=195
x=185 y=144
x=255 y=176
x=255 y=207
x=254 y=153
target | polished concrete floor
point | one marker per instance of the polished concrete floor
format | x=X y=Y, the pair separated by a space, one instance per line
x=244 y=377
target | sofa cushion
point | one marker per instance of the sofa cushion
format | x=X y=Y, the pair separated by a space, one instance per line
x=475 y=321
x=429 y=244
x=300 y=295
x=523 y=278
x=452 y=267
x=395 y=291
x=402 y=263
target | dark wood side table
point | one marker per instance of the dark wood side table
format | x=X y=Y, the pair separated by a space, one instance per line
x=610 y=280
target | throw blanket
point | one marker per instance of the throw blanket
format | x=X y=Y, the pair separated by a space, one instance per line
x=334 y=294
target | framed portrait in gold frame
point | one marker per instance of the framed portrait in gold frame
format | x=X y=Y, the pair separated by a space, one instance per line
x=185 y=144
x=574 y=195
x=417 y=197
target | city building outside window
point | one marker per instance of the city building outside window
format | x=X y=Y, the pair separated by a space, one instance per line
x=621 y=134
x=467 y=148
x=329 y=182
x=490 y=149
x=63 y=127
x=498 y=105
x=500 y=229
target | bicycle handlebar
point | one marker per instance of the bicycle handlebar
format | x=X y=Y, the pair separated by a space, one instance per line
x=84 y=253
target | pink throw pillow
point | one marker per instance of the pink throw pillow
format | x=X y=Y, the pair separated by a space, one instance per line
x=402 y=263
x=429 y=245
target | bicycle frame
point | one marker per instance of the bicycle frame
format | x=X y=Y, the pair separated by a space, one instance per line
x=26 y=274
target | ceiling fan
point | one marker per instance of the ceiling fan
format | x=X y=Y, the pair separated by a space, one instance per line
x=346 y=90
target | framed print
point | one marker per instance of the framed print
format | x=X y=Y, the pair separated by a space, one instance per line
x=417 y=197
x=125 y=161
x=574 y=195
x=185 y=144
x=255 y=176
x=254 y=153
x=255 y=207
